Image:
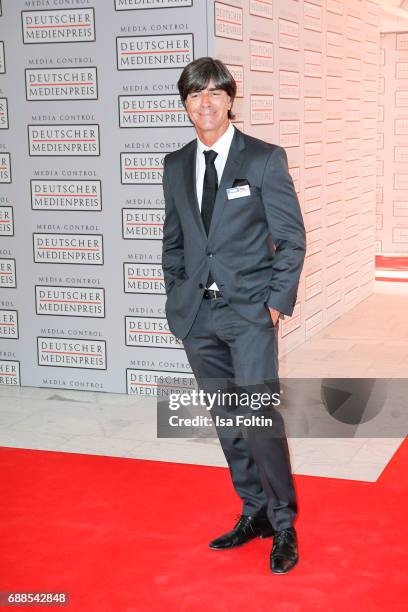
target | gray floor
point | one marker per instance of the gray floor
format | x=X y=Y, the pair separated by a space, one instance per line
x=369 y=341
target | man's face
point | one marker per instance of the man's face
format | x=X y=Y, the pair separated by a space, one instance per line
x=208 y=109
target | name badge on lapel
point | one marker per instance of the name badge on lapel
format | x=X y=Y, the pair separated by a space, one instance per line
x=238 y=192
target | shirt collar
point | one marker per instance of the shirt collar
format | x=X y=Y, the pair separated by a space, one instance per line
x=222 y=145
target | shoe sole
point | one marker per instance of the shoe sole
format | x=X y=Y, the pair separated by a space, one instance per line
x=287 y=571
x=263 y=536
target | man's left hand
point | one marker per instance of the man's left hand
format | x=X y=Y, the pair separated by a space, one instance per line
x=274 y=315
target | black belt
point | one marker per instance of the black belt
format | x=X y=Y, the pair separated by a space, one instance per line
x=211 y=294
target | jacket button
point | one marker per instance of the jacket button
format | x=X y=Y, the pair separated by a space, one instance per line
x=201 y=286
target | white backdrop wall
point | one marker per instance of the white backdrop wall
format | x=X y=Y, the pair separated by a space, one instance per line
x=89 y=107
x=310 y=81
x=392 y=158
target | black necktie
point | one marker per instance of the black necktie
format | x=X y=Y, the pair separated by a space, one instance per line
x=210 y=186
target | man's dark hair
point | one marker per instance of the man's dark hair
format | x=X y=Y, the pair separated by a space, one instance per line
x=197 y=74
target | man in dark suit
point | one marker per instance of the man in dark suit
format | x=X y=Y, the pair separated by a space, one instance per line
x=233 y=251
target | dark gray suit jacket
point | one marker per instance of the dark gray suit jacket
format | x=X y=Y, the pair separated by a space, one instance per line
x=256 y=244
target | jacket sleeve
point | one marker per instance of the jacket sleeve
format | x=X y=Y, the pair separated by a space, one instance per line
x=173 y=240
x=287 y=230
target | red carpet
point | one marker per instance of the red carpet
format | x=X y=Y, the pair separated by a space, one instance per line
x=391 y=268
x=123 y=535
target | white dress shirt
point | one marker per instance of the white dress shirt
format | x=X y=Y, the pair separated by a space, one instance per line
x=222 y=147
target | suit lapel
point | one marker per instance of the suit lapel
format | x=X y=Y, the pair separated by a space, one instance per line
x=231 y=171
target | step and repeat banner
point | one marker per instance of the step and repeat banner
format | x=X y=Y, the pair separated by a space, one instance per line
x=88 y=109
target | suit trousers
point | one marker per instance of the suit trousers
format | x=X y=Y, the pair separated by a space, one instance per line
x=226 y=352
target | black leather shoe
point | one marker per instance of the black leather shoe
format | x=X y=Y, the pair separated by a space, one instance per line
x=284 y=553
x=246 y=529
